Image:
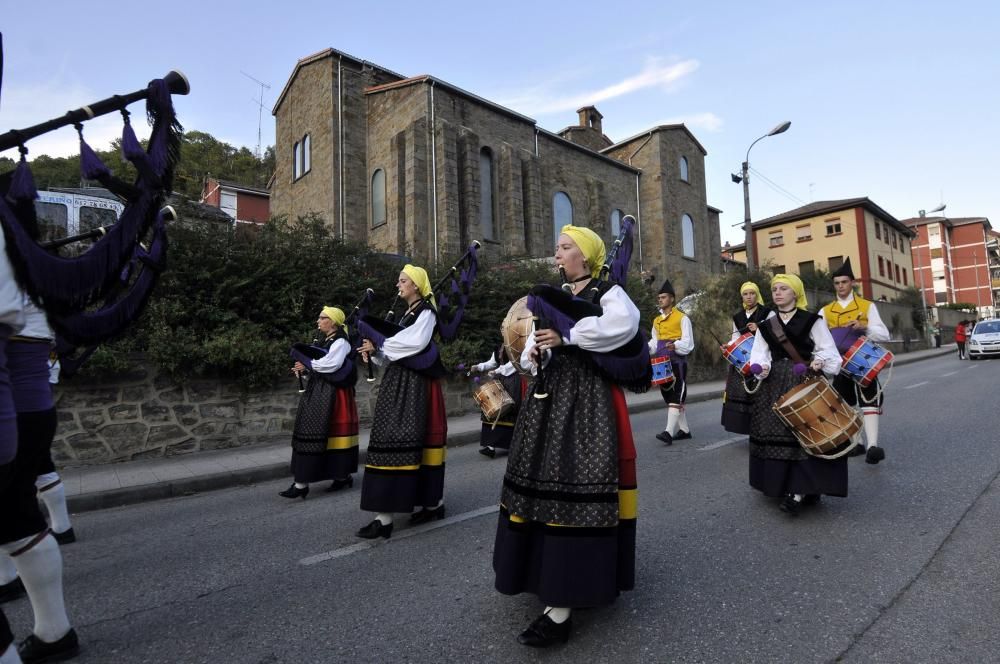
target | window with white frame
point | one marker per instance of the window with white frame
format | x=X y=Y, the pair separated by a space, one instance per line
x=803 y=233
x=227 y=203
x=301 y=157
x=687 y=236
x=297 y=160
x=833 y=227
x=775 y=239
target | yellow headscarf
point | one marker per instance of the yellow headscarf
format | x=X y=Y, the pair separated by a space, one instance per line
x=418 y=276
x=336 y=315
x=749 y=285
x=591 y=245
x=793 y=282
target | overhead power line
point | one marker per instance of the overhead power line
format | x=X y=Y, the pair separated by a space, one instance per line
x=777 y=187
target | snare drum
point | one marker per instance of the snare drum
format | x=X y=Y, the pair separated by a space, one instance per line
x=493 y=399
x=825 y=426
x=737 y=352
x=663 y=373
x=864 y=360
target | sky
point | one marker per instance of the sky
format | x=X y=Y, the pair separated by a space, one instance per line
x=892 y=100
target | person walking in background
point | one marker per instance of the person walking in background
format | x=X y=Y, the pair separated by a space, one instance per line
x=672 y=336
x=937 y=334
x=961 y=336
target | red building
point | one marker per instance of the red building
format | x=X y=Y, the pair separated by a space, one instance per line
x=243 y=204
x=951 y=261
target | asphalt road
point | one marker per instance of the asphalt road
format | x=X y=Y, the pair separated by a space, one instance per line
x=904 y=570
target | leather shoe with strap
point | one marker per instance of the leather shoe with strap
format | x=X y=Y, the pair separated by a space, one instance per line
x=425 y=515
x=34 y=651
x=337 y=485
x=544 y=632
x=376 y=529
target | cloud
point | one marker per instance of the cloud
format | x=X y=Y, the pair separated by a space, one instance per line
x=656 y=73
x=708 y=121
x=24 y=106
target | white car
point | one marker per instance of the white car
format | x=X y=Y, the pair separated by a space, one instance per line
x=985 y=339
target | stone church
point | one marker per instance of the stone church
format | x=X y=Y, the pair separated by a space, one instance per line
x=420 y=167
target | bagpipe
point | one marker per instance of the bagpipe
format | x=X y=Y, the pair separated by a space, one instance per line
x=559 y=309
x=449 y=314
x=92 y=297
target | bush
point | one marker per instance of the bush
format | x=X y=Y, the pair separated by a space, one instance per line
x=231 y=303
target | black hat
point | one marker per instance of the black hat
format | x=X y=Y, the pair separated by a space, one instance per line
x=667 y=288
x=844 y=270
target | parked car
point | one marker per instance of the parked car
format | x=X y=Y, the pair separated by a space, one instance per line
x=985 y=339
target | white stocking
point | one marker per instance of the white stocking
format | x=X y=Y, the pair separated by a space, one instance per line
x=682 y=423
x=557 y=614
x=8 y=572
x=40 y=569
x=871 y=426
x=673 y=419
x=385 y=518
x=10 y=656
x=53 y=493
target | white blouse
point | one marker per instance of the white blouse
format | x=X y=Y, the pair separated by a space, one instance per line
x=824 y=348
x=615 y=327
x=494 y=365
x=409 y=340
x=876 y=331
x=11 y=302
x=682 y=346
x=334 y=358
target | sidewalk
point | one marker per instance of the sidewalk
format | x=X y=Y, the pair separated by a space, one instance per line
x=112 y=485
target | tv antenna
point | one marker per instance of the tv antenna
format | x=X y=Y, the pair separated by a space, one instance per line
x=260 y=108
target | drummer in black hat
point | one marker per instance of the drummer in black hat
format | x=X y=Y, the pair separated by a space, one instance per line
x=849 y=317
x=672 y=336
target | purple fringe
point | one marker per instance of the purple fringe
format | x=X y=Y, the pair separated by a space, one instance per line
x=91 y=166
x=448 y=321
x=422 y=361
x=22 y=182
x=556 y=318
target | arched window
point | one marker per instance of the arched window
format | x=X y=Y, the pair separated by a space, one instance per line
x=562 y=213
x=687 y=236
x=616 y=223
x=378 y=197
x=684 y=169
x=486 y=194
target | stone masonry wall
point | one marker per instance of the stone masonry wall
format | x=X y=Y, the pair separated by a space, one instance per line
x=146 y=415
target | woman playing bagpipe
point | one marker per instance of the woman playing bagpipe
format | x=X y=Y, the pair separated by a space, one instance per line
x=736 y=402
x=496 y=433
x=404 y=469
x=566 y=530
x=325 y=435
x=779 y=467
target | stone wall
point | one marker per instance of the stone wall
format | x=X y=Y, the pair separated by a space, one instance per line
x=144 y=415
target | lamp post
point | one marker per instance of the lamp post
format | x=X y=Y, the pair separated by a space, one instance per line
x=783 y=127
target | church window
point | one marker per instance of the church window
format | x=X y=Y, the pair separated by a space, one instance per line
x=687 y=236
x=684 y=169
x=486 y=194
x=378 y=197
x=562 y=212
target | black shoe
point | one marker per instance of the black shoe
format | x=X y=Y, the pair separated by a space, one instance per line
x=425 y=515
x=875 y=454
x=11 y=591
x=376 y=529
x=35 y=651
x=295 y=492
x=488 y=451
x=542 y=633
x=665 y=437
x=811 y=499
x=65 y=537
x=857 y=450
x=790 y=505
x=337 y=485
x=682 y=435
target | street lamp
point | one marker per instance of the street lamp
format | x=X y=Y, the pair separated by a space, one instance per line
x=780 y=129
x=923 y=298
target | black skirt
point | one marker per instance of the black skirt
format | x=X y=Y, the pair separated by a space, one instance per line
x=737 y=404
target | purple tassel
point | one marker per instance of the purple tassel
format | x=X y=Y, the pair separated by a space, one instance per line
x=476 y=379
x=619 y=267
x=756 y=369
x=91 y=166
x=799 y=368
x=559 y=321
x=449 y=321
x=22 y=182
x=131 y=148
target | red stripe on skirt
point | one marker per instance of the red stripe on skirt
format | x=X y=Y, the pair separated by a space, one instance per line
x=626 y=445
x=437 y=418
x=344 y=418
x=524 y=387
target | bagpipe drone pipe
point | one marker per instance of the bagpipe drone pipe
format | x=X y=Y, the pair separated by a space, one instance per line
x=628 y=365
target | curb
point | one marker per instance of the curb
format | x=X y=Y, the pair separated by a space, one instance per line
x=191 y=485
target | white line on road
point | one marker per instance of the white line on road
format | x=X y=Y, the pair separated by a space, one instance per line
x=722 y=443
x=910 y=387
x=950 y=373
x=409 y=532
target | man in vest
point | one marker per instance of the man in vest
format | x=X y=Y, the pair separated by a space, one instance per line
x=672 y=336
x=850 y=317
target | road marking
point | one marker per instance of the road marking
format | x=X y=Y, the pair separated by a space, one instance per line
x=910 y=387
x=950 y=373
x=722 y=443
x=409 y=532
